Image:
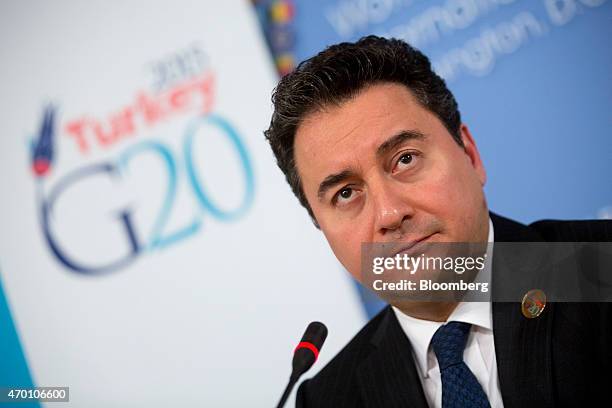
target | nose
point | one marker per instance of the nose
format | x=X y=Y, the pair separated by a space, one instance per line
x=392 y=207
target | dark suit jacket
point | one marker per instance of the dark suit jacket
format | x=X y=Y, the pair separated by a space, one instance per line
x=561 y=358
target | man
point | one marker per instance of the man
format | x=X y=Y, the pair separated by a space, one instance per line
x=372 y=144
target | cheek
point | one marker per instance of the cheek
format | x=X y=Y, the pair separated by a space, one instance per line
x=454 y=194
x=346 y=246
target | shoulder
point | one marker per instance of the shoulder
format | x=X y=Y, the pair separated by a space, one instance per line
x=336 y=384
x=507 y=230
x=574 y=231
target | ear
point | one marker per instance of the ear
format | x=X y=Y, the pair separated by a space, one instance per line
x=469 y=146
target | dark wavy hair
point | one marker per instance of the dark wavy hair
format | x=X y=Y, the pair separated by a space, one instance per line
x=339 y=73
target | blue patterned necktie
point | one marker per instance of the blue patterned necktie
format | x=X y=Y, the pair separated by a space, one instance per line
x=460 y=388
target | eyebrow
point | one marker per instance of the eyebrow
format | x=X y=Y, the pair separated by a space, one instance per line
x=390 y=144
x=332 y=180
x=398 y=139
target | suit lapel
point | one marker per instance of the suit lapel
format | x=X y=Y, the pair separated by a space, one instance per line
x=522 y=346
x=388 y=376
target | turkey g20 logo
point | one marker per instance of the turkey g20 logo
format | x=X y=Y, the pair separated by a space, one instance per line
x=180 y=165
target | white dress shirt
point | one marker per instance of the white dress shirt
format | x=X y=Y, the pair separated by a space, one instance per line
x=479 y=354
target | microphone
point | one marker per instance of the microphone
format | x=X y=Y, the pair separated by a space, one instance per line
x=305 y=355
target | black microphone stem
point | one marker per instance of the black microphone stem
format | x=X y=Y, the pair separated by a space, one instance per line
x=305 y=355
x=292 y=380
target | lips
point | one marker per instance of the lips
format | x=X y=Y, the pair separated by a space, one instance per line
x=411 y=246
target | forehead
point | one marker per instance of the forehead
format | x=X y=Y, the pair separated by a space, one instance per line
x=340 y=135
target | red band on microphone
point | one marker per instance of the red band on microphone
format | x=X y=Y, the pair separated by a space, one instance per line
x=309 y=346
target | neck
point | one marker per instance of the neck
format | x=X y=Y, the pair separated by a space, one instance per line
x=433 y=311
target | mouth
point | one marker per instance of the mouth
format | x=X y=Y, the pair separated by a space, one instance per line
x=412 y=246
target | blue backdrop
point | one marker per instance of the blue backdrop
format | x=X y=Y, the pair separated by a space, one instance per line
x=532 y=78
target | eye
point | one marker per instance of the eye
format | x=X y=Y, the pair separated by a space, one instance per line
x=345 y=193
x=405 y=160
x=344 y=196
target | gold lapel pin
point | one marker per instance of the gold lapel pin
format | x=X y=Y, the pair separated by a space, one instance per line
x=533 y=303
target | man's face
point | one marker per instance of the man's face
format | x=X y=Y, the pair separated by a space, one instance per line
x=381 y=168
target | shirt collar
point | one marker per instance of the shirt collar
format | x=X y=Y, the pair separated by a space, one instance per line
x=420 y=332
